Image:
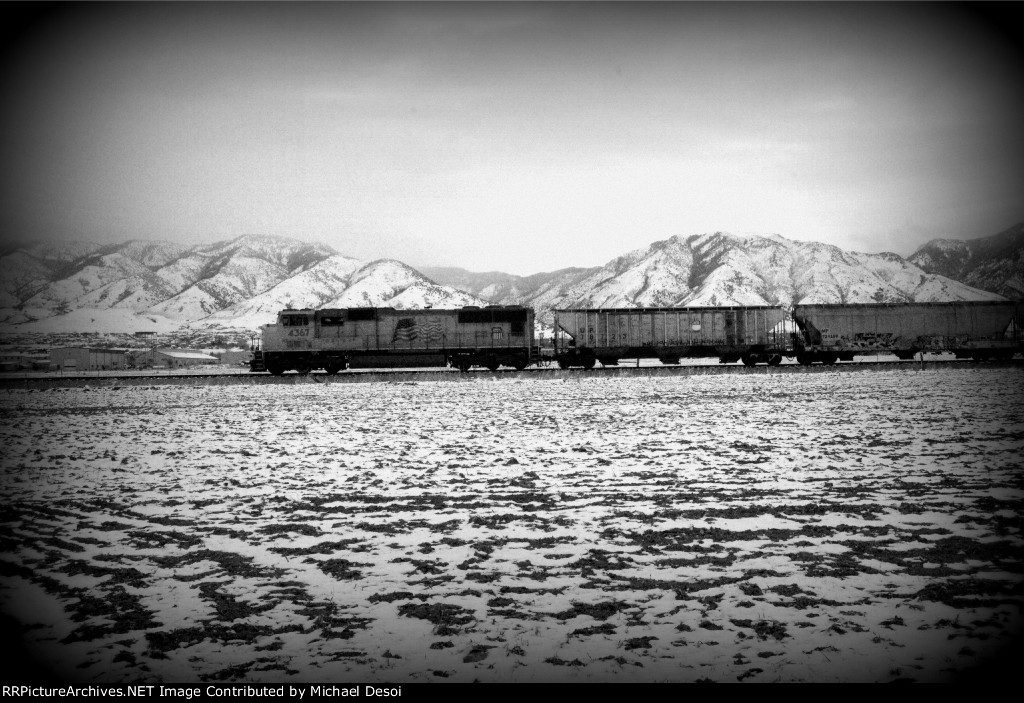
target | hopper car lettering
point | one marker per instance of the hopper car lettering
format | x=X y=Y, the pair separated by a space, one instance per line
x=494 y=336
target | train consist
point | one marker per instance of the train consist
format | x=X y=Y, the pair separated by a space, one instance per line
x=494 y=336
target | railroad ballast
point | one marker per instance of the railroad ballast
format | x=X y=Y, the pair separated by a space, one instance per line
x=334 y=339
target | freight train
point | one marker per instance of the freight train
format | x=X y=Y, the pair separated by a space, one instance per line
x=494 y=336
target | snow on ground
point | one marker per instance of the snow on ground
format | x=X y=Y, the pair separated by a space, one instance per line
x=831 y=527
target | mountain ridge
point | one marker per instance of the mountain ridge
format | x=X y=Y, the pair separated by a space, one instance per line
x=241 y=283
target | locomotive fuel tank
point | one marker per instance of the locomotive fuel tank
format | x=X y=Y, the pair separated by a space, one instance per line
x=976 y=329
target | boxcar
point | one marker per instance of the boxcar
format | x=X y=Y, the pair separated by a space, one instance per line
x=751 y=334
x=339 y=338
x=979 y=330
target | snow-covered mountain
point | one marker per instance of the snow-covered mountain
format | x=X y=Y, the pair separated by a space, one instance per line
x=342 y=282
x=993 y=263
x=237 y=284
x=242 y=283
x=721 y=269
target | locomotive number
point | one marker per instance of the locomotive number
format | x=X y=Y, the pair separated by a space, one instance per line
x=303 y=332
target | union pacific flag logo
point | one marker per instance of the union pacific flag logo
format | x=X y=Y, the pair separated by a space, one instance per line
x=410 y=329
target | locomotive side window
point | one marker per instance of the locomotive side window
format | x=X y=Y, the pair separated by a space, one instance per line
x=294 y=321
x=491 y=315
x=467 y=317
x=335 y=321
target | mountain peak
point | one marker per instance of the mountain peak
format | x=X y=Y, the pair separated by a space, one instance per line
x=243 y=282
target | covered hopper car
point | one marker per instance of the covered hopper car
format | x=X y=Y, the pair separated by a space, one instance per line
x=978 y=330
x=334 y=339
x=754 y=335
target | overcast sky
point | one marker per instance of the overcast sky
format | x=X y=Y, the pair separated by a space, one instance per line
x=520 y=137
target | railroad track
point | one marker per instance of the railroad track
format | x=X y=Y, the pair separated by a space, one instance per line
x=41 y=381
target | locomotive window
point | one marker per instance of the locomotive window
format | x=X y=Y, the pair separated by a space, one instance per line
x=362 y=314
x=488 y=316
x=471 y=316
x=332 y=321
x=294 y=321
x=510 y=316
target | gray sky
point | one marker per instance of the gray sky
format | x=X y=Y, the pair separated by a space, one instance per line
x=521 y=137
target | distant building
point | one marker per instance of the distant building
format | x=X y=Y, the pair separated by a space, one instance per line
x=88 y=358
x=145 y=334
x=11 y=361
x=175 y=358
x=235 y=357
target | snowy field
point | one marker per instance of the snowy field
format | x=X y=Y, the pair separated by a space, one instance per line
x=841 y=526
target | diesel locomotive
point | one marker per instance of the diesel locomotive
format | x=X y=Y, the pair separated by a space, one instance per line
x=334 y=339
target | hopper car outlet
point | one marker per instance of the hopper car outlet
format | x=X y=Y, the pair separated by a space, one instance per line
x=494 y=336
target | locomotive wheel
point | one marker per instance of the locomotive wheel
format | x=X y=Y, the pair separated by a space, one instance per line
x=303 y=367
x=492 y=365
x=333 y=367
x=275 y=368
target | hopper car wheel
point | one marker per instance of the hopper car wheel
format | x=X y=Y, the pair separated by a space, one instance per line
x=519 y=365
x=804 y=359
x=749 y=360
x=775 y=360
x=492 y=365
x=464 y=366
x=588 y=362
x=563 y=364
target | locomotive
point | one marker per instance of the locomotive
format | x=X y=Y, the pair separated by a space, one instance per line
x=334 y=339
x=493 y=336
